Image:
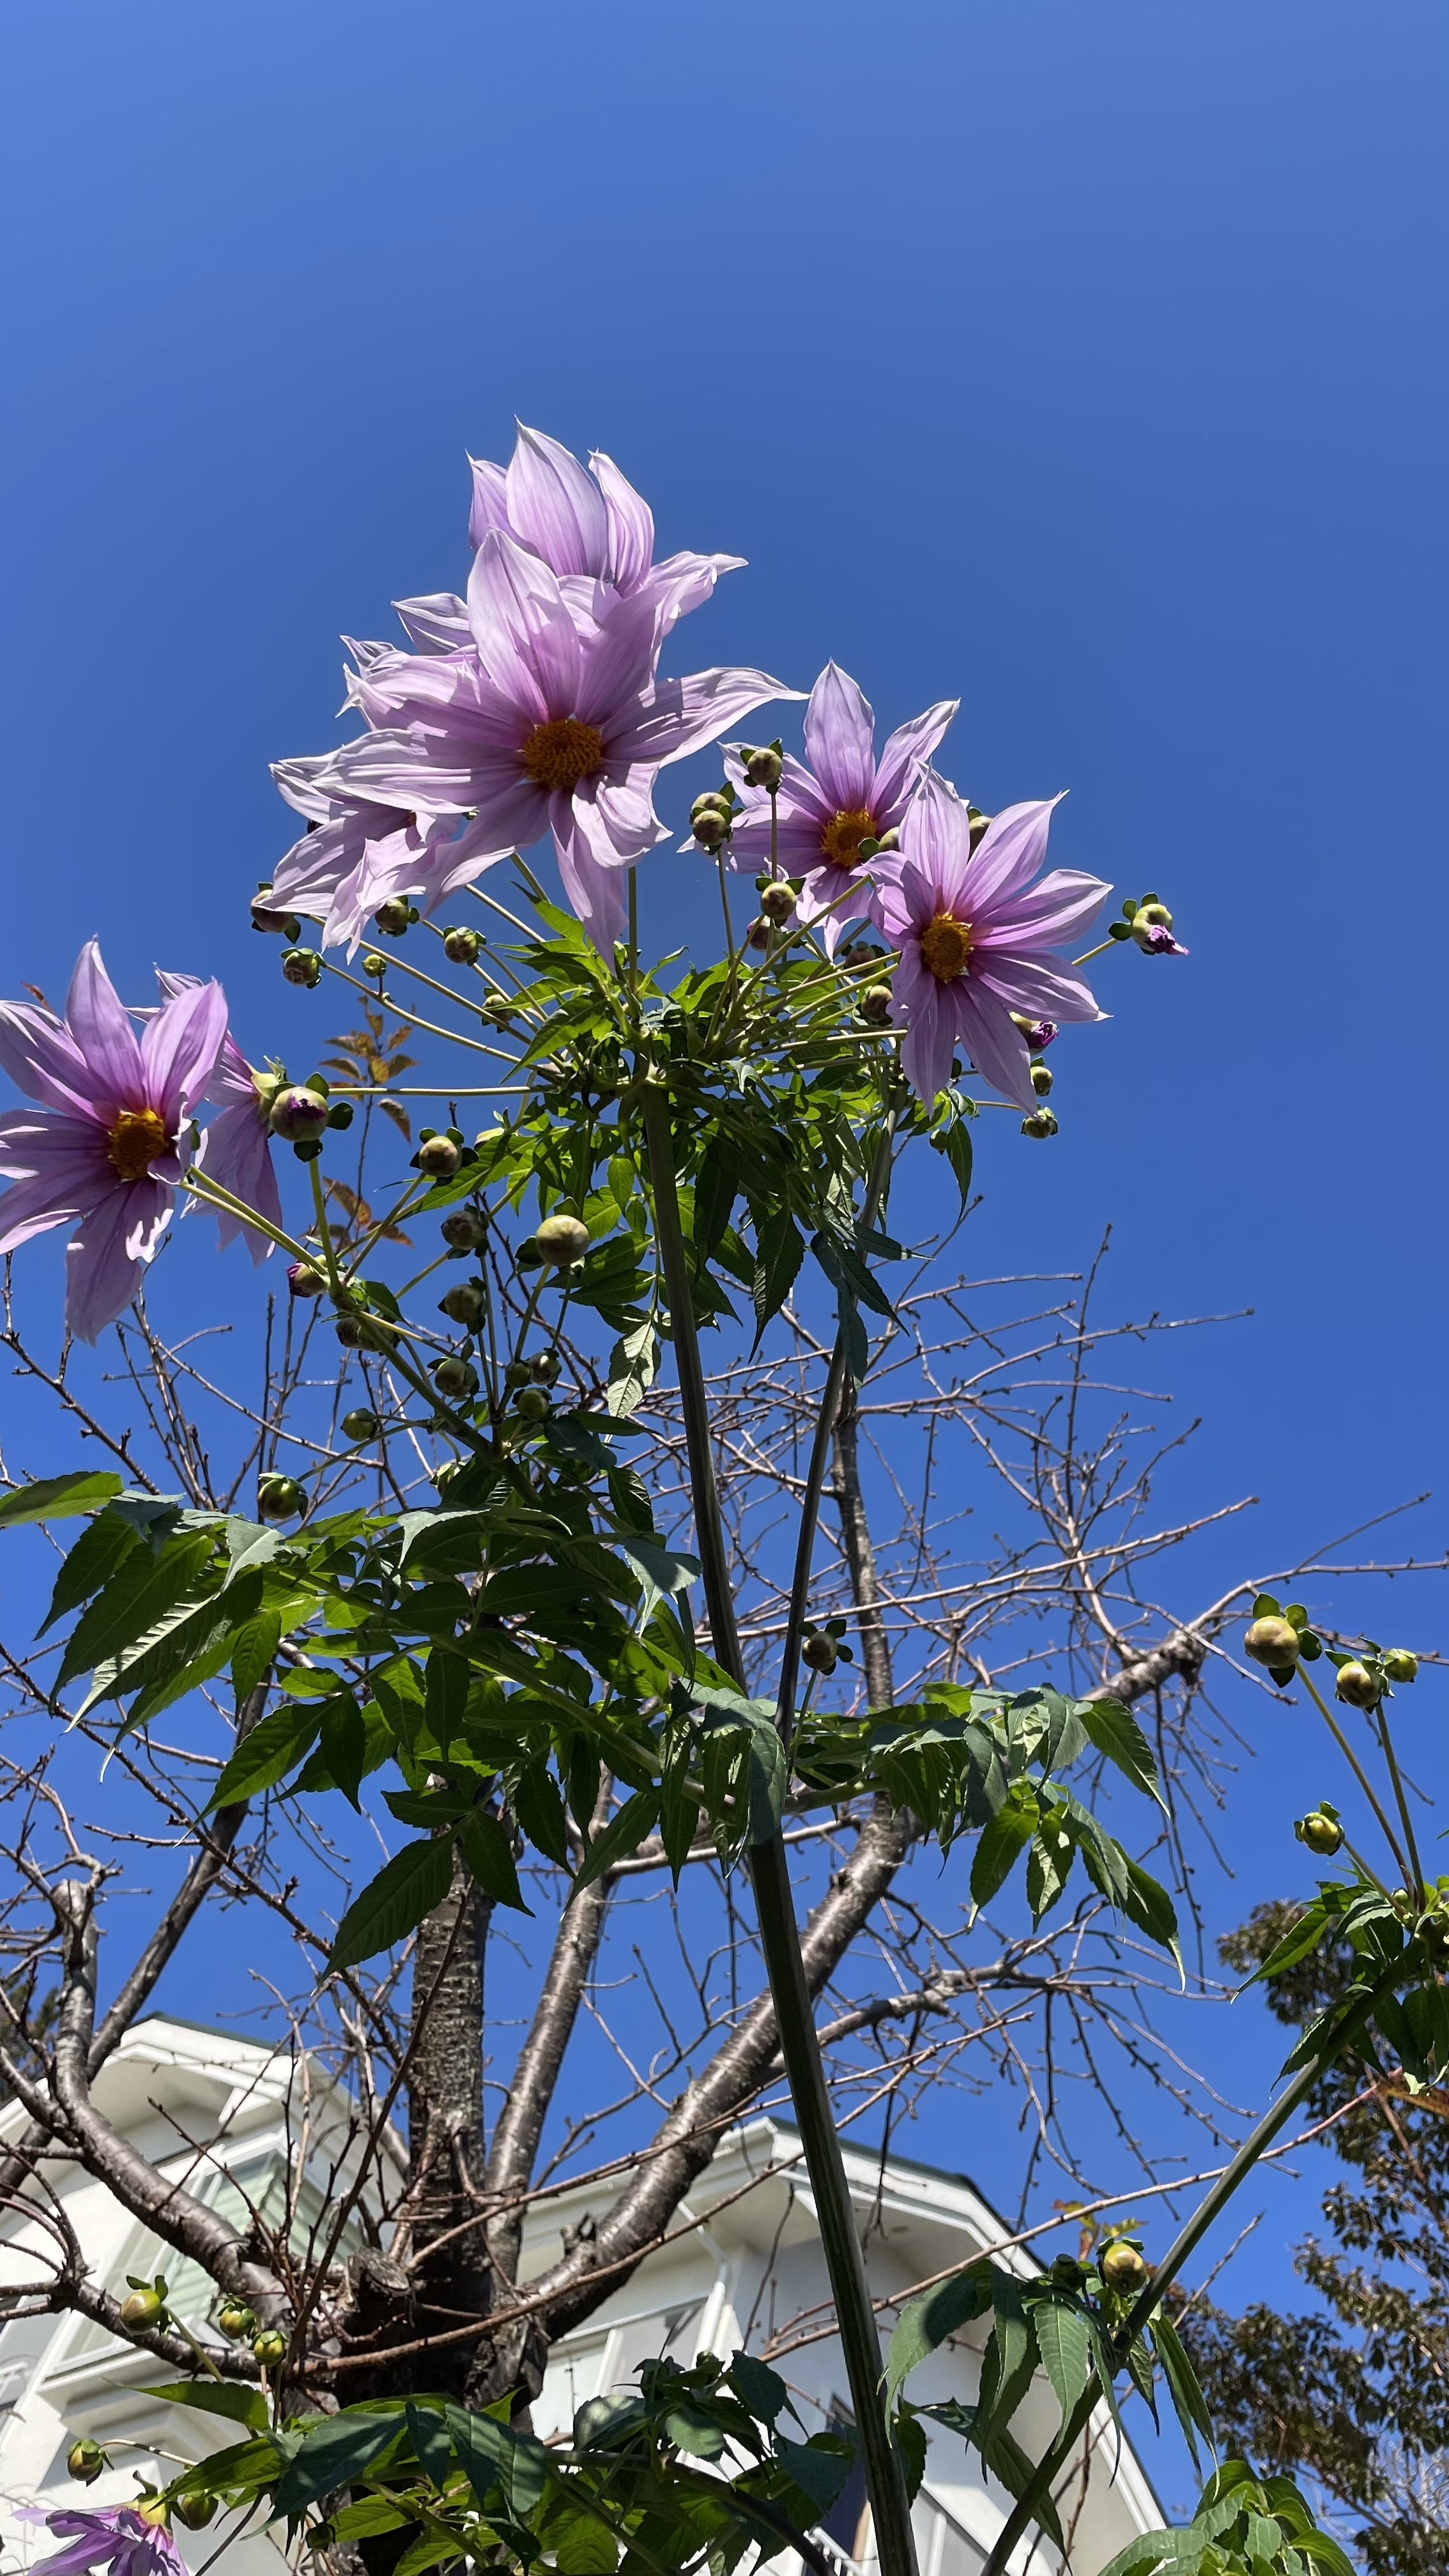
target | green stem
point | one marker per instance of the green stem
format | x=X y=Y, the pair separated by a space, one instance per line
x=201 y=1187
x=1401 y=1799
x=1356 y=1767
x=775 y=1910
x=1165 y=2273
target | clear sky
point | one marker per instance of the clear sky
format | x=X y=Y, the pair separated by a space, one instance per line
x=1087 y=361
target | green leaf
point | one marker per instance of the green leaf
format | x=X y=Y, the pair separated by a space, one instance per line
x=1188 y=2402
x=344 y=1746
x=777 y=1262
x=59 y=1498
x=334 y=2452
x=133 y=1602
x=394 y=1903
x=693 y=2429
x=270 y=1749
x=954 y=1142
x=90 y=1564
x=1065 y=2347
x=995 y=1855
x=633 y=1366
x=925 y=2322
x=818 y=2473
x=227 y=2397
x=758 y=2387
x=623 y=1833
x=1115 y=1731
x=489 y=1854
x=445 y=1696
x=1300 y=1938
x=253 y=1651
x=492 y=2456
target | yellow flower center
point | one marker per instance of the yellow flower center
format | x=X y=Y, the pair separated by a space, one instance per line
x=945 y=946
x=134 y=1138
x=842 y=837
x=561 y=753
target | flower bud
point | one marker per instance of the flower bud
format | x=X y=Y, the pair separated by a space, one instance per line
x=144 y=2307
x=280 y=1498
x=874 y=1005
x=714 y=799
x=777 y=903
x=758 y=933
x=1273 y=1642
x=297 y=1114
x=464 y=1304
x=1122 y=2267
x=455 y=1377
x=461 y=947
x=264 y=918
x=1067 y=2272
x=497 y=1011
x=463 y=1229
x=1400 y=1665
x=711 y=828
x=1358 y=1686
x=195 y=2511
x=562 y=1240
x=1323 y=1834
x=361 y=1424
x=84 y=2462
x=393 y=917
x=269 y=2347
x=302 y=966
x=438 y=1157
x=532 y=1403
x=820 y=1652
x=888 y=841
x=236 y=2321
x=763 y=767
x=372 y=964
x=1041 y=1080
x=1037 y=1033
x=1042 y=1122
x=980 y=825
x=517 y=1373
x=303 y=1280
x=545 y=1368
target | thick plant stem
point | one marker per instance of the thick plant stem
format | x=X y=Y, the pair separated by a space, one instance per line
x=1024 y=2512
x=775 y=1912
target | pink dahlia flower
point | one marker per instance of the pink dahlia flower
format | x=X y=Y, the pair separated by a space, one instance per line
x=589 y=528
x=539 y=726
x=111 y=1144
x=846 y=796
x=976 y=932
x=354 y=854
x=110 y=2536
x=236 y=1148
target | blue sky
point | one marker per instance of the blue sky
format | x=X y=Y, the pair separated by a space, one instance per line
x=1088 y=362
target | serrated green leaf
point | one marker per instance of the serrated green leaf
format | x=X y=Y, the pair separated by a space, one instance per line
x=925 y=2322
x=59 y=1498
x=133 y=1601
x=227 y=2397
x=89 y=1565
x=1115 y=1731
x=489 y=1854
x=334 y=2451
x=1065 y=2347
x=394 y=1903
x=267 y=1752
x=1010 y=1829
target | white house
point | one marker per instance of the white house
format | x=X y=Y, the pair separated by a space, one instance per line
x=234 y=2117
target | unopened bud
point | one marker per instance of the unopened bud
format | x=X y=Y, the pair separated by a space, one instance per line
x=889 y=840
x=714 y=798
x=84 y=2462
x=1358 y=1686
x=545 y=1367
x=1041 y=1080
x=235 y=2320
x=562 y=1240
x=303 y=1280
x=711 y=828
x=777 y=903
x=297 y=1114
x=1323 y=1834
x=302 y=966
x=195 y=2511
x=874 y=1005
x=758 y=933
x=1037 y=1033
x=465 y=1303
x=361 y=1424
x=393 y=917
x=279 y=1498
x=455 y=1377
x=1041 y=1122
x=1122 y=2267
x=820 y=1653
x=1067 y=2272
x=143 y=2307
x=461 y=947
x=265 y=918
x=763 y=766
x=372 y=964
x=532 y=1403
x=1400 y=1665
x=438 y=1157
x=1273 y=1642
x=463 y=1228
x=269 y=2347
x=980 y=824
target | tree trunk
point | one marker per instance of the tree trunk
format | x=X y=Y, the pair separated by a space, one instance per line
x=445 y=2131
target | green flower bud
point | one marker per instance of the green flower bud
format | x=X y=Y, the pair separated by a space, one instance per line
x=360 y=1424
x=236 y=2321
x=298 y=1115
x=562 y=1240
x=777 y=903
x=820 y=1653
x=372 y=964
x=517 y=1373
x=758 y=933
x=711 y=828
x=546 y=1368
x=280 y=1498
x=455 y=1377
x=464 y=1304
x=1122 y=2267
x=438 y=1157
x=763 y=767
x=1358 y=1686
x=461 y=947
x=144 y=2307
x=302 y=966
x=1400 y=1665
x=269 y=2347
x=195 y=2511
x=304 y=1280
x=888 y=841
x=393 y=917
x=1322 y=1834
x=1067 y=2272
x=874 y=1005
x=84 y=2462
x=980 y=825
x=463 y=1229
x=1042 y=1122
x=1272 y=1642
x=532 y=1403
x=714 y=800
x=1041 y=1079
